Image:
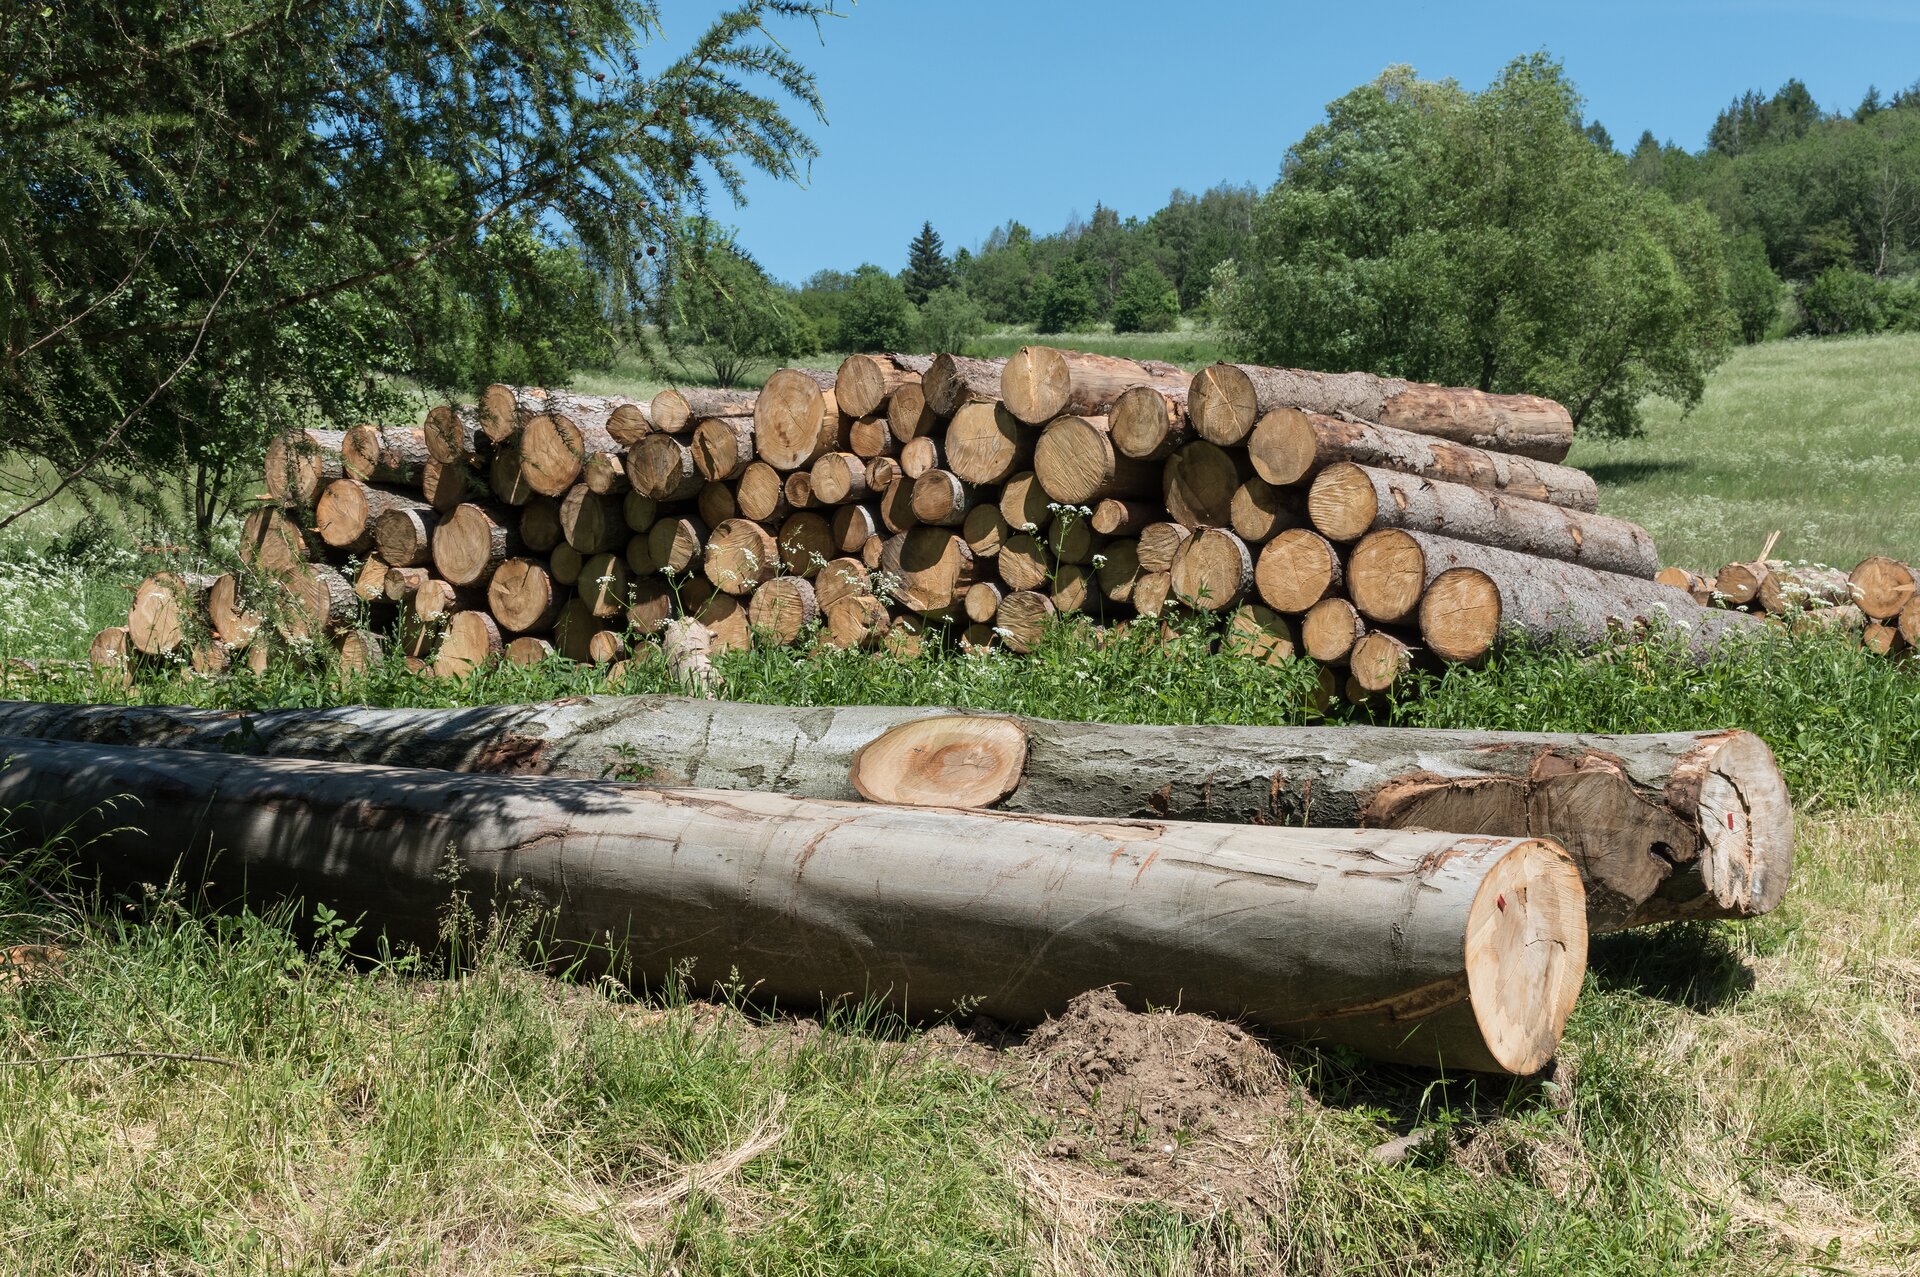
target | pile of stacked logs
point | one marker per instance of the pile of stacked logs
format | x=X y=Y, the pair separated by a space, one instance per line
x=1367 y=522
x=1878 y=602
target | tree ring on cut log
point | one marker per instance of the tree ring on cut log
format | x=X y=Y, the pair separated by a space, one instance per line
x=1342 y=502
x=1036 y=384
x=1460 y=614
x=1882 y=586
x=1221 y=404
x=1297 y=569
x=948 y=760
x=1746 y=817
x=1526 y=953
x=1283 y=448
x=1386 y=576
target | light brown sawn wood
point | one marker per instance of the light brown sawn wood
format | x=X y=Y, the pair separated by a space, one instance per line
x=676 y=411
x=1040 y=383
x=389 y=454
x=953 y=380
x=864 y=382
x=301 y=463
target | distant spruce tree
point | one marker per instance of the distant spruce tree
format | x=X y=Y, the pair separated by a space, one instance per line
x=928 y=270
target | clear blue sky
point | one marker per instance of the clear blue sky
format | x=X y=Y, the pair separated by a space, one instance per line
x=971 y=112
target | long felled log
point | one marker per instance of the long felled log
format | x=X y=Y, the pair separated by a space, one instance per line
x=301 y=463
x=1676 y=825
x=1227 y=399
x=675 y=412
x=1347 y=501
x=1433 y=949
x=952 y=380
x=1287 y=446
x=865 y=382
x=1040 y=383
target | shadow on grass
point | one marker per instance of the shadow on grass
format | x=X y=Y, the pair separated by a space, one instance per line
x=1612 y=472
x=1696 y=965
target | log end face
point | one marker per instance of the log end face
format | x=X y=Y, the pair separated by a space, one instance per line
x=1526 y=953
x=1342 y=502
x=1460 y=614
x=1221 y=404
x=949 y=760
x=1746 y=824
x=1035 y=384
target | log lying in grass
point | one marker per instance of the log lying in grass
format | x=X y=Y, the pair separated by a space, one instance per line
x=1462 y=952
x=1675 y=825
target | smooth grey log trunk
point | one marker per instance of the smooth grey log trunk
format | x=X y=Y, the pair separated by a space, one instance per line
x=1667 y=826
x=1432 y=949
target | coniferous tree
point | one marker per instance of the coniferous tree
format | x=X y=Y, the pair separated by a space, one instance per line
x=928 y=270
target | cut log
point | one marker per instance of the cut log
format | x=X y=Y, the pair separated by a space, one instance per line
x=1072 y=539
x=931 y=569
x=716 y=504
x=739 y=556
x=939 y=497
x=661 y=467
x=675 y=412
x=528 y=649
x=638 y=512
x=503 y=410
x=271 y=541
x=1024 y=562
x=1024 y=504
x=390 y=454
x=1118 y=569
x=452 y=434
x=565 y=562
x=347 y=511
x=1798 y=587
x=590 y=522
x=869 y=437
x=908 y=415
x=399 y=585
x=799 y=489
x=917 y=456
x=857 y=620
x=1198 y=483
x=1330 y=630
x=722 y=447
x=795 y=419
x=436 y=600
x=554 y=447
x=783 y=608
x=982 y=602
x=1149 y=423
x=1378 y=661
x=1881 y=638
x=523 y=597
x=320 y=602
x=839 y=579
x=506 y=478
x=445 y=485
x=1259 y=511
x=164 y=618
x=604 y=585
x=540 y=524
x=1297 y=569
x=1482 y=591
x=1074 y=587
x=761 y=494
x=1023 y=618
x=1738 y=584
x=1040 y=383
x=839 y=477
x=1115 y=517
x=472 y=542
x=1882 y=586
x=953 y=380
x=896 y=505
x=852 y=527
x=573 y=632
x=1227 y=399
x=1258 y=633
x=605 y=473
x=1348 y=501
x=653 y=605
x=361 y=651
x=301 y=463
x=1699 y=587
x=1430 y=949
x=986 y=444
x=606 y=647
x=806 y=543
x=1160 y=544
x=233 y=623
x=472 y=641
x=985 y=531
x=1077 y=465
x=677 y=543
x=864 y=382
x=1288 y=446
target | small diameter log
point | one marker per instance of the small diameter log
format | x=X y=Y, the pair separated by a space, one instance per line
x=1258 y=633
x=839 y=477
x=982 y=602
x=869 y=437
x=503 y=410
x=857 y=620
x=852 y=527
x=1076 y=464
x=348 y=509
x=931 y=569
x=662 y=468
x=1073 y=540
x=953 y=380
x=1393 y=943
x=573 y=632
x=1330 y=630
x=896 y=505
x=1121 y=570
x=604 y=584
x=1669 y=826
x=272 y=541
x=739 y=556
x=452 y=434
x=939 y=497
x=554 y=448
x=301 y=463
x=1882 y=587
x=1115 y=517
x=319 y=602
x=1699 y=587
x=1347 y=501
x=1738 y=584
x=716 y=504
x=1484 y=591
x=1259 y=511
x=783 y=608
x=360 y=651
x=986 y=444
x=1908 y=622
x=806 y=543
x=1880 y=638
x=1024 y=503
x=523 y=597
x=864 y=382
x=799 y=489
x=1024 y=562
x=1160 y=544
x=1022 y=619
x=506 y=478
x=384 y=454
x=472 y=641
x=1073 y=587
x=1289 y=446
x=540 y=524
x=231 y=621
x=403 y=535
x=565 y=562
x=637 y=512
x=528 y=649
x=761 y=494
x=676 y=543
x=1198 y=483
x=1227 y=399
x=652 y=607
x=1040 y=383
x=675 y=412
x=1798 y=587
x=722 y=447
x=590 y=522
x=1378 y=661
x=399 y=585
x=472 y=542
x=605 y=473
x=917 y=456
x=445 y=485
x=908 y=414
x=165 y=611
x=1297 y=569
x=1149 y=423
x=985 y=530
x=436 y=600
x=795 y=419
x=606 y=647
x=839 y=579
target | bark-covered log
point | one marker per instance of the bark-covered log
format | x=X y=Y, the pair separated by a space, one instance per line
x=348 y=510
x=1347 y=501
x=1883 y=587
x=1433 y=949
x=472 y=542
x=1040 y=383
x=1288 y=446
x=675 y=412
x=385 y=454
x=953 y=380
x=783 y=608
x=301 y=463
x=1149 y=422
x=1330 y=630
x=1666 y=826
x=320 y=602
x=1698 y=587
x=1798 y=587
x=1226 y=400
x=862 y=385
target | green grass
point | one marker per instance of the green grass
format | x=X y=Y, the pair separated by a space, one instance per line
x=1817 y=439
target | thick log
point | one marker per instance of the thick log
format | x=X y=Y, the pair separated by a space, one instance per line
x=1347 y=501
x=437 y=600
x=472 y=542
x=360 y=651
x=864 y=383
x=540 y=524
x=722 y=447
x=1378 y=661
x=939 y=497
x=986 y=444
x=739 y=556
x=523 y=597
x=917 y=456
x=1330 y=630
x=1024 y=562
x=591 y=522
x=527 y=650
x=1260 y=511
x=1258 y=633
x=1024 y=503
x=638 y=512
x=1699 y=587
x=1738 y=584
x=1022 y=619
x=953 y=380
x=869 y=437
x=1077 y=465
x=1288 y=446
x=1198 y=483
x=165 y=612
x=839 y=477
x=795 y=418
x=1227 y=399
x=1883 y=587
x=471 y=641
x=1072 y=539
x=503 y=410
x=506 y=477
x=1297 y=569
x=662 y=468
x=676 y=543
x=348 y=510
x=1120 y=571
x=1074 y=587
x=554 y=448
x=1213 y=571
x=761 y=493
x=1116 y=517
x=931 y=569
x=675 y=412
x=799 y=489
x=453 y=434
x=716 y=504
x=271 y=540
x=1799 y=587
x=604 y=585
x=1431 y=949
x=1149 y=423
x=301 y=463
x=1159 y=545
x=783 y=608
x=806 y=543
x=1040 y=383
x=606 y=647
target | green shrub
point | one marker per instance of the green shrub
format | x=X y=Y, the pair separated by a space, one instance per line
x=1842 y=300
x=1146 y=303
